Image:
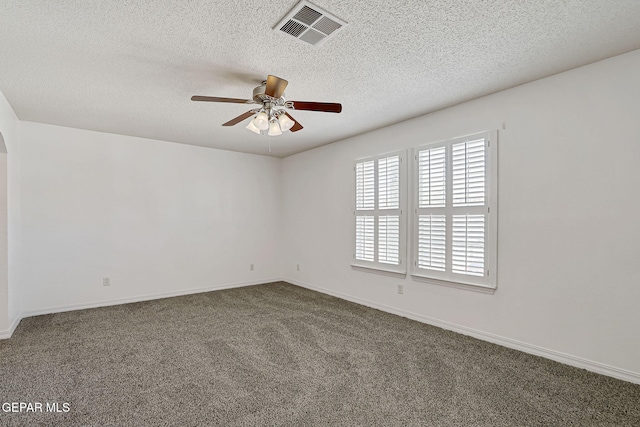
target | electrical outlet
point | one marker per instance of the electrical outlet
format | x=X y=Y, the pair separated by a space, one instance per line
x=298 y=267
x=400 y=289
x=106 y=281
x=251 y=267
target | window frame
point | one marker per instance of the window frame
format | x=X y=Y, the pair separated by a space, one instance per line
x=488 y=282
x=376 y=266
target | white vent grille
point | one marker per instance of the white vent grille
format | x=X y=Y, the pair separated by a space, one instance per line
x=309 y=23
x=312 y=37
x=307 y=15
x=294 y=28
x=326 y=25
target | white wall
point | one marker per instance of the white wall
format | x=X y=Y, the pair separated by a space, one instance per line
x=157 y=218
x=569 y=234
x=10 y=257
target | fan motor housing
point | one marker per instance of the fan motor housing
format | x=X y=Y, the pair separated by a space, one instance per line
x=260 y=97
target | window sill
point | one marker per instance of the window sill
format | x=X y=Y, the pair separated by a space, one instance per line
x=459 y=285
x=379 y=270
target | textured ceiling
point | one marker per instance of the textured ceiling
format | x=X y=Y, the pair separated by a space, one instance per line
x=130 y=67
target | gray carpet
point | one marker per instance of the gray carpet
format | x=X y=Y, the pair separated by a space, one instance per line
x=277 y=354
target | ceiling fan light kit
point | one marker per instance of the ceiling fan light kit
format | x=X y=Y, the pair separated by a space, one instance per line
x=261 y=121
x=271 y=118
x=274 y=128
x=270 y=121
x=285 y=122
x=253 y=128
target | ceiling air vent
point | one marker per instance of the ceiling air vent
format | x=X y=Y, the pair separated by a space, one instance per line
x=309 y=23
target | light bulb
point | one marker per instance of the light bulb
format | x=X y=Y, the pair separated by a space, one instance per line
x=253 y=128
x=274 y=129
x=285 y=122
x=261 y=121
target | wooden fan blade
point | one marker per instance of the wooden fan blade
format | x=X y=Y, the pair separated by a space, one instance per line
x=327 y=107
x=240 y=118
x=297 y=126
x=217 y=99
x=275 y=86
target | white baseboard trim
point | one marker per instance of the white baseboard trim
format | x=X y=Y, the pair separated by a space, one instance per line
x=139 y=298
x=567 y=359
x=6 y=334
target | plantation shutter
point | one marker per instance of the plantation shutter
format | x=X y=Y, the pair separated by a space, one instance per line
x=468 y=173
x=468 y=244
x=389 y=239
x=365 y=201
x=432 y=241
x=365 y=238
x=389 y=198
x=468 y=182
x=378 y=228
x=365 y=186
x=432 y=194
x=451 y=220
x=431 y=178
x=389 y=183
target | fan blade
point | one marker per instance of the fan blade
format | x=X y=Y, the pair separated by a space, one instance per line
x=327 y=107
x=240 y=118
x=297 y=126
x=275 y=86
x=216 y=99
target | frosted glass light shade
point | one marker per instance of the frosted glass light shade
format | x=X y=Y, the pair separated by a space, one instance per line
x=253 y=128
x=285 y=122
x=274 y=129
x=261 y=121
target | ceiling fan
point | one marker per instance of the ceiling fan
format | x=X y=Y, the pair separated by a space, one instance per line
x=271 y=118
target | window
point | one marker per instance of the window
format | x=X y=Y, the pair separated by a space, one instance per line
x=454 y=211
x=379 y=213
